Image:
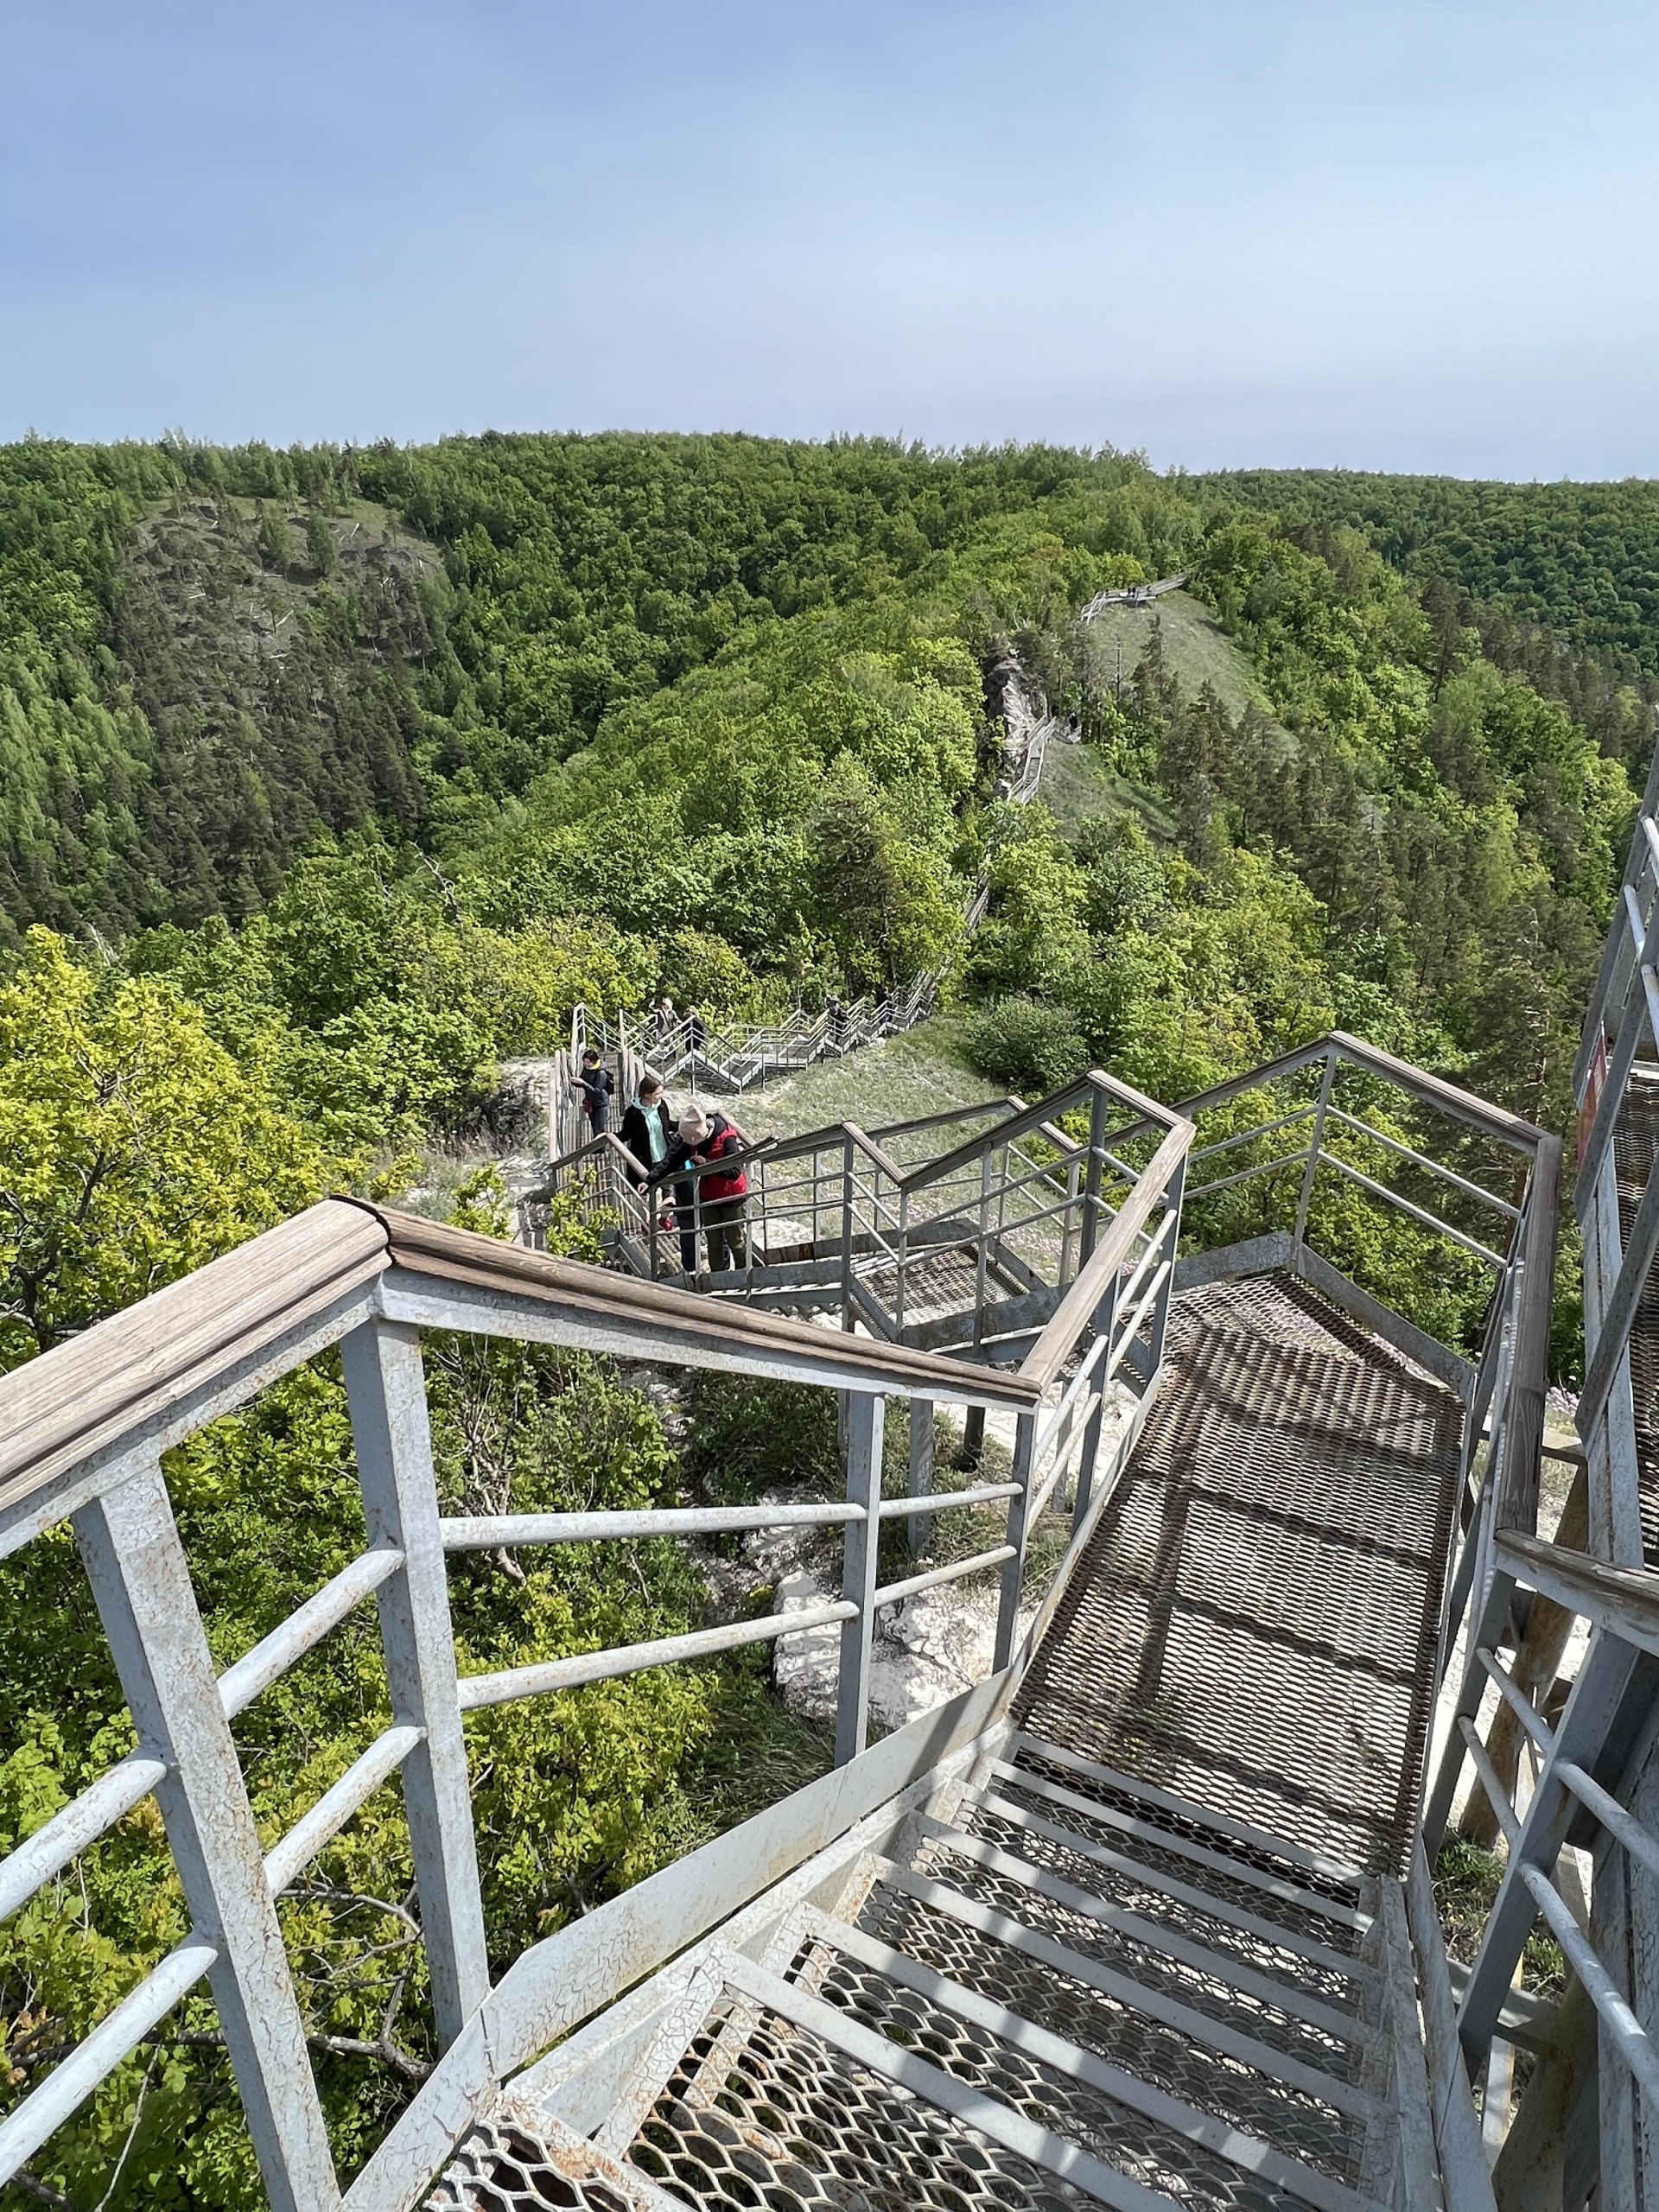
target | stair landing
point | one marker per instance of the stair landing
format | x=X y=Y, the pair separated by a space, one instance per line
x=1254 y=1624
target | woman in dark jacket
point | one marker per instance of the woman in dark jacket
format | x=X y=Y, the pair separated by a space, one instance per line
x=648 y=1131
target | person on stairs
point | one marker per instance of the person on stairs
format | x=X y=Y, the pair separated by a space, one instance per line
x=648 y=1131
x=597 y=1087
x=725 y=1194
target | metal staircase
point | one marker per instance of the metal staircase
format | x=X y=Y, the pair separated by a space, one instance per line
x=1041 y=1983
x=1142 y=1918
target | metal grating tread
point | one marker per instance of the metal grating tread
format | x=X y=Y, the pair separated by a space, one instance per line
x=1136 y=2145
x=1636 y=1133
x=908 y=1923
x=1253 y=1624
x=1300 y=2125
x=795 y=2127
x=511 y=2163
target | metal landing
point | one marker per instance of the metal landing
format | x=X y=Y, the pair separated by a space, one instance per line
x=1253 y=1625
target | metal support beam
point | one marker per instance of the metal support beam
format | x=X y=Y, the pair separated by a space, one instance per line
x=864 y=1421
x=136 y=1565
x=386 y=1386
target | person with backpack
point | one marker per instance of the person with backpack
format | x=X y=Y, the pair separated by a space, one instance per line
x=648 y=1131
x=597 y=1087
x=725 y=1194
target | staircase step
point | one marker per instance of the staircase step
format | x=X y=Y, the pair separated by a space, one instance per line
x=1106 y=1820
x=1066 y=2065
x=1215 y=1982
x=1275 y=1852
x=883 y=2055
x=1052 y=1845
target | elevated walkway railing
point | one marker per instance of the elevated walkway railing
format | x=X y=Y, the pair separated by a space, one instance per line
x=1567 y=1772
x=84 y=1429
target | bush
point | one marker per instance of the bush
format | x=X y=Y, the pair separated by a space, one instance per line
x=1030 y=1047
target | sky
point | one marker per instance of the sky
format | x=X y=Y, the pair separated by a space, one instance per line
x=1415 y=235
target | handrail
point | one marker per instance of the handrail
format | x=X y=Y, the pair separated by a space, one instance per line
x=118 y=1383
x=1046 y=1357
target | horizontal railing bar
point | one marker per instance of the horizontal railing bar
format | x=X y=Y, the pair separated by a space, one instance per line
x=76 y=1825
x=275 y=1654
x=941 y=1500
x=1629 y=2038
x=44 y=2111
x=1613 y=1816
x=287 y=1860
x=1417 y=1213
x=1496 y=1796
x=1521 y=1706
x=935 y=1575
x=1082 y=1383
x=1421 y=1159
x=79 y=1824
x=1246 y=1174
x=484 y=1532
x=1248 y=1136
x=478 y=1690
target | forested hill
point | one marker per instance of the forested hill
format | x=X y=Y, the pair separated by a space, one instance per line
x=1582 y=559
x=208 y=657
x=377 y=759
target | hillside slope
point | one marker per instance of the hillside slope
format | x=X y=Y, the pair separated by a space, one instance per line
x=1581 y=558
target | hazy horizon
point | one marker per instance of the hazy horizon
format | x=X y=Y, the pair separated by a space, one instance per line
x=1299 y=236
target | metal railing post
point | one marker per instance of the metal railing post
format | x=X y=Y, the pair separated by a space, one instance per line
x=1019 y=1531
x=847 y=1233
x=1092 y=1171
x=134 y=1562
x=385 y=1385
x=1104 y=1322
x=861 y=1545
x=1169 y=1227
x=918 y=1481
x=1315 y=1144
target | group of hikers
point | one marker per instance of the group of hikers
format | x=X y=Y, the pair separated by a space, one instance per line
x=670 y=1151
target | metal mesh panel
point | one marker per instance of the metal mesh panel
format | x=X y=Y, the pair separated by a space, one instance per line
x=1254 y=1624
x=1078 y=1932
x=791 y=2125
x=937 y=1938
x=1189 y=1826
x=506 y=2166
x=1113 y=2132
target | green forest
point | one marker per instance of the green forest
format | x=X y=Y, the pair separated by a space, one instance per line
x=330 y=778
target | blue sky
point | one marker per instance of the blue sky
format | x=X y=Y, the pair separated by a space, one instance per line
x=1418 y=234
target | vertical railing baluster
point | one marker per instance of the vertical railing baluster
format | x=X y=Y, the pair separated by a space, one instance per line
x=134 y=1562
x=1315 y=1146
x=1169 y=1227
x=385 y=1385
x=1104 y=1325
x=919 y=1480
x=862 y=1549
x=1018 y=1533
x=1093 y=1168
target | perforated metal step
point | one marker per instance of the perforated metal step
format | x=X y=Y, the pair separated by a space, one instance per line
x=1254 y=1624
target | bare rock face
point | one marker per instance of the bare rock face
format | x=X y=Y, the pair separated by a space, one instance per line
x=927 y=1647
